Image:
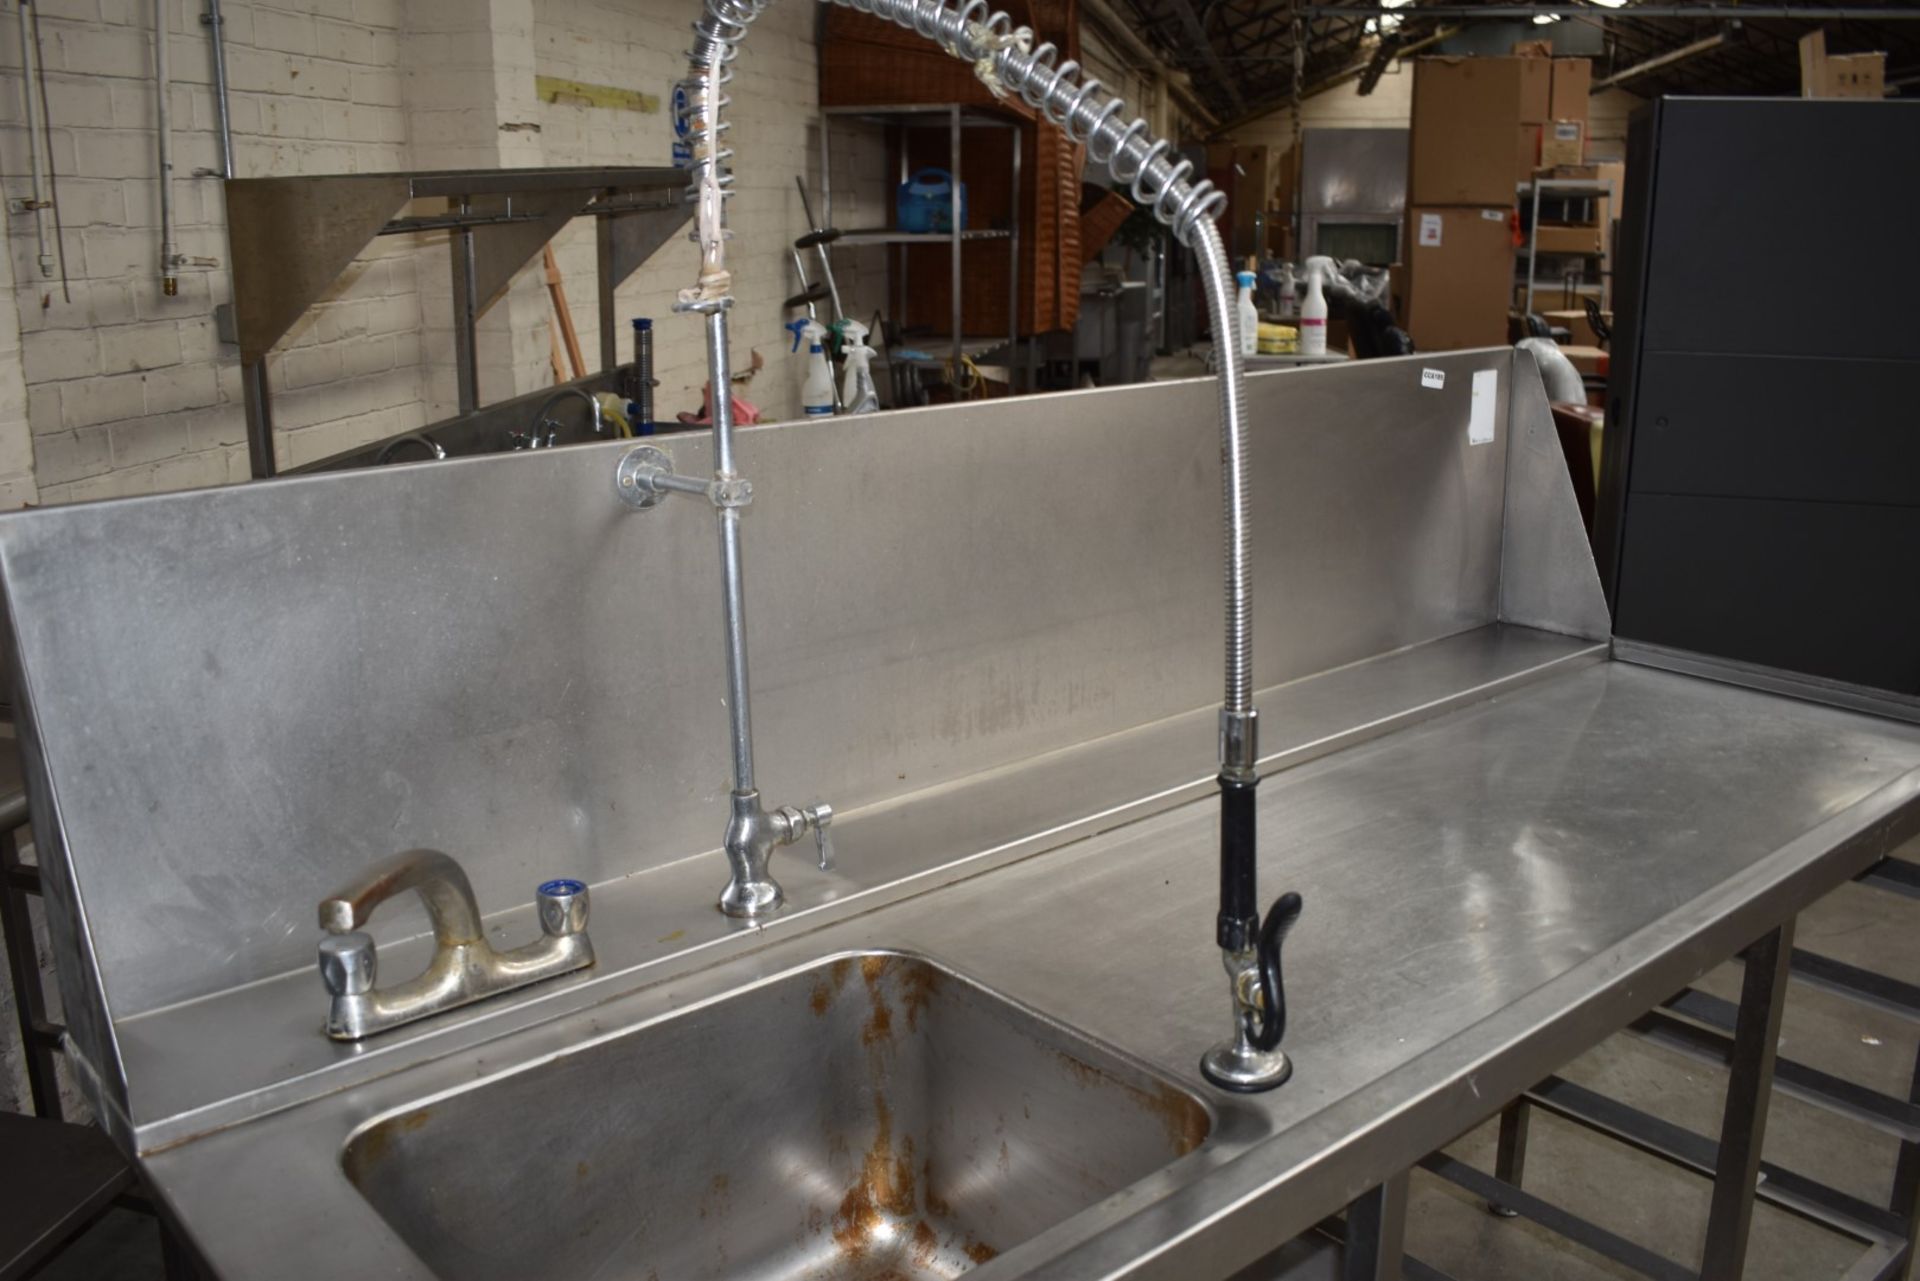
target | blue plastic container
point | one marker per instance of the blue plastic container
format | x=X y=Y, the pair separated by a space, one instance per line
x=924 y=202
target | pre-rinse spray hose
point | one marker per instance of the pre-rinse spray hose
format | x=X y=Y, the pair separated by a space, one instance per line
x=1007 y=61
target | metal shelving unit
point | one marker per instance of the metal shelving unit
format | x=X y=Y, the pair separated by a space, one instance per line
x=955 y=117
x=1566 y=186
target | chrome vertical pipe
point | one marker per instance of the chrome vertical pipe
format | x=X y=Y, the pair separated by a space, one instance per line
x=163 y=128
x=36 y=137
x=732 y=571
x=217 y=33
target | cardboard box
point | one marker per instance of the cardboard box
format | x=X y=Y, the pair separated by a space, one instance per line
x=1564 y=142
x=1465 y=111
x=1853 y=75
x=1575 y=322
x=1529 y=158
x=1459 y=277
x=1615 y=172
x=1536 y=90
x=1856 y=75
x=1559 y=238
x=1572 y=85
x=1533 y=48
x=1588 y=360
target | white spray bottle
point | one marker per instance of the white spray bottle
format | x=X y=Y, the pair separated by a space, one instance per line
x=856 y=387
x=1249 y=316
x=816 y=393
x=1313 y=317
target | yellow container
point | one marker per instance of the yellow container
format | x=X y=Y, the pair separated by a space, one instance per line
x=1278 y=340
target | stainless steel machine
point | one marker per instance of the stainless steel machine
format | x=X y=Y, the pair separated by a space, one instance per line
x=991 y=634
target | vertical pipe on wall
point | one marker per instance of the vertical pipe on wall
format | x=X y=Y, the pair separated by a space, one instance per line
x=163 y=126
x=217 y=33
x=38 y=202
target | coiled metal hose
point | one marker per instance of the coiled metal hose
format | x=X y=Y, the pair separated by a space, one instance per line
x=1089 y=114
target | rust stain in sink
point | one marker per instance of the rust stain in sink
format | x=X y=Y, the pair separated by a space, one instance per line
x=373 y=1147
x=884 y=1189
x=1185 y=1121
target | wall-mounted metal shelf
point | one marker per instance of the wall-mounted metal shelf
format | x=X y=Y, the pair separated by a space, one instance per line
x=292 y=237
x=882 y=236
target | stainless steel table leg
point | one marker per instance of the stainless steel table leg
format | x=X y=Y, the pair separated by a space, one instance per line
x=1510 y=1153
x=1377 y=1232
x=1906 y=1186
x=466 y=317
x=259 y=401
x=1743 y=1125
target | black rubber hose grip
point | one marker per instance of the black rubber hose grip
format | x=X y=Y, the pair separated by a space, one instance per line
x=1273 y=995
x=1239 y=917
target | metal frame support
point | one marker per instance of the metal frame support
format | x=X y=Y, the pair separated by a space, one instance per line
x=39 y=1038
x=1743 y=1124
x=1013 y=274
x=259 y=401
x=1697 y=1025
x=957 y=230
x=1510 y=1152
x=1377 y=1232
x=466 y=316
x=1905 y=1201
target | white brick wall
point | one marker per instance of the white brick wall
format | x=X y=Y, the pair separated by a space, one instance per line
x=128 y=391
x=121 y=390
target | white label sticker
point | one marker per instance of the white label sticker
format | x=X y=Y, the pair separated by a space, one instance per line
x=1430 y=229
x=1435 y=378
x=1566 y=131
x=1493 y=215
x=1486 y=385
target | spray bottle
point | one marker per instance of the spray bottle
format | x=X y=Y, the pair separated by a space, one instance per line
x=1249 y=316
x=856 y=388
x=1313 y=317
x=816 y=393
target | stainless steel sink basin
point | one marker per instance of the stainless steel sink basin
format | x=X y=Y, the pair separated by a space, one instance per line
x=876 y=1116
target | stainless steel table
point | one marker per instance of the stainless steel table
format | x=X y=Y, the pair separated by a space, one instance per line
x=988 y=634
x=1489 y=894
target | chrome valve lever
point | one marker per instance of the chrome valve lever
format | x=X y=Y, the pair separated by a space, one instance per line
x=820 y=816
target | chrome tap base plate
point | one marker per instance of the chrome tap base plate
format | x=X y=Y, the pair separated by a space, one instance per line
x=1236 y=1066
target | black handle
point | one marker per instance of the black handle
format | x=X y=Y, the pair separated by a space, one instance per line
x=1273 y=995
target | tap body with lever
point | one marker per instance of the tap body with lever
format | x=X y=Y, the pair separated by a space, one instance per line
x=465 y=967
x=544 y=432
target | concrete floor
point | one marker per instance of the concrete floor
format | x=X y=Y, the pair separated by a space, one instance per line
x=1634 y=1195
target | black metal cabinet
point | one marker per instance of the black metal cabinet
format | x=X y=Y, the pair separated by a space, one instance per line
x=1761 y=495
